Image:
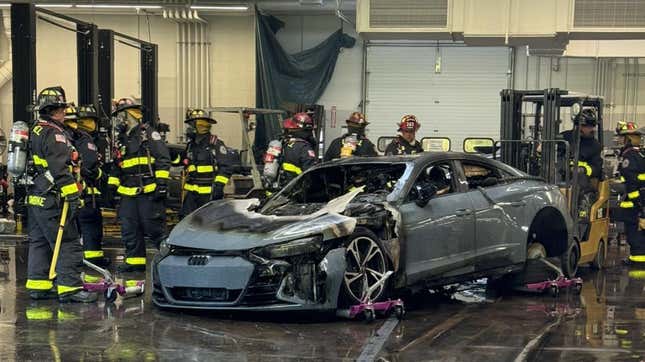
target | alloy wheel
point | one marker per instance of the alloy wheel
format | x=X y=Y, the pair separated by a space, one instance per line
x=365 y=267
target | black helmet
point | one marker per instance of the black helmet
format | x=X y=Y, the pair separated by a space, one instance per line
x=51 y=98
x=589 y=117
x=195 y=114
x=87 y=111
x=123 y=104
x=71 y=112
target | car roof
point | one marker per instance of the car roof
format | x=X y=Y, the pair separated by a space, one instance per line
x=420 y=158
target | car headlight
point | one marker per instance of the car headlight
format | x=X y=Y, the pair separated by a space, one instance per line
x=164 y=248
x=291 y=248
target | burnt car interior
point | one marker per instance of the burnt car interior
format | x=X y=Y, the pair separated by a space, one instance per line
x=478 y=175
x=434 y=180
x=314 y=189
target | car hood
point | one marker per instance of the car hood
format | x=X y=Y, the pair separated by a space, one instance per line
x=227 y=225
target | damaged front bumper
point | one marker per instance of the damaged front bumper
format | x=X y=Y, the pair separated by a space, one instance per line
x=247 y=282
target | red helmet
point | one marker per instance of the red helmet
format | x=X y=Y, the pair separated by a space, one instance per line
x=298 y=121
x=357 y=119
x=409 y=123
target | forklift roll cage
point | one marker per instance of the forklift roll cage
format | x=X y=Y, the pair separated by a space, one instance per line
x=544 y=132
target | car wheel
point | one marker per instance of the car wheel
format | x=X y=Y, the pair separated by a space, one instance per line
x=534 y=270
x=569 y=260
x=599 y=261
x=366 y=265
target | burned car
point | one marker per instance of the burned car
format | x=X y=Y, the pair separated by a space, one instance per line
x=328 y=237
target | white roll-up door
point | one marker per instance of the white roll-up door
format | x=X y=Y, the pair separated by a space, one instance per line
x=453 y=91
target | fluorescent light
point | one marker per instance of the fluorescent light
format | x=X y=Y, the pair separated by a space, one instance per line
x=219 y=7
x=54 y=5
x=5 y=5
x=110 y=6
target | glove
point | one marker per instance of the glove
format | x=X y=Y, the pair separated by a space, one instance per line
x=218 y=191
x=110 y=197
x=75 y=204
x=161 y=192
x=641 y=223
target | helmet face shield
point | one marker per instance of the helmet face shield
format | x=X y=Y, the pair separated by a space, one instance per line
x=203 y=126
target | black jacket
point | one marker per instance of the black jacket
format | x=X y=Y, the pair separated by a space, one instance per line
x=90 y=160
x=207 y=161
x=590 y=154
x=142 y=161
x=632 y=170
x=365 y=148
x=51 y=152
x=297 y=156
x=399 y=146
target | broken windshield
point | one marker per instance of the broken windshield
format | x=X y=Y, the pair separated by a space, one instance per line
x=317 y=187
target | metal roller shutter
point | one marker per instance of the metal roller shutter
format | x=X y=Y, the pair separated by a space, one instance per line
x=459 y=101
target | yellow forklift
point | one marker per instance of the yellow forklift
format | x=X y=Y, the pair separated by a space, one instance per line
x=531 y=141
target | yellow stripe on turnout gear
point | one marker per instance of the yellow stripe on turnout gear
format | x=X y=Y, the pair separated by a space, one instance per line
x=290 y=167
x=133 y=191
x=198 y=189
x=136 y=161
x=626 y=205
x=39 y=284
x=135 y=261
x=221 y=179
x=637 y=258
x=40 y=161
x=89 y=254
x=63 y=289
x=162 y=174
x=69 y=189
x=114 y=181
x=634 y=194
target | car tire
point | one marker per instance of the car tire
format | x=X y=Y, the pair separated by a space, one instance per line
x=569 y=260
x=366 y=259
x=598 y=262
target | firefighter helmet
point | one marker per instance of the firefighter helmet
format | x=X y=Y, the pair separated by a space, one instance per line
x=627 y=128
x=195 y=114
x=589 y=117
x=124 y=104
x=87 y=111
x=357 y=119
x=71 y=113
x=51 y=98
x=409 y=123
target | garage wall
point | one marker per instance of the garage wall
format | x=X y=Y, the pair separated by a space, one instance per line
x=344 y=90
x=232 y=64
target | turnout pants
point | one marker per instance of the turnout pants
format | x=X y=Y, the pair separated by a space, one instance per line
x=192 y=202
x=42 y=231
x=141 y=216
x=90 y=223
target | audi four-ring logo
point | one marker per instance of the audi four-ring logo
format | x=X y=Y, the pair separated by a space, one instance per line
x=198 y=260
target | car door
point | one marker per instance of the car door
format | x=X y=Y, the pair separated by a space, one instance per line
x=497 y=205
x=439 y=237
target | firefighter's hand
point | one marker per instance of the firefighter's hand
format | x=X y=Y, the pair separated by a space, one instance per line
x=641 y=223
x=75 y=204
x=161 y=192
x=218 y=191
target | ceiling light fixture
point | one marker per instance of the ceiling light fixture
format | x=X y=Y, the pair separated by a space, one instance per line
x=220 y=7
x=54 y=5
x=110 y=6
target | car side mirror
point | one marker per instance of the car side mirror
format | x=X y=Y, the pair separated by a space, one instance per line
x=424 y=192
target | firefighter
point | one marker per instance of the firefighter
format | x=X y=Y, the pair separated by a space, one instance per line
x=287 y=159
x=405 y=143
x=54 y=184
x=140 y=176
x=354 y=142
x=631 y=167
x=208 y=165
x=90 y=221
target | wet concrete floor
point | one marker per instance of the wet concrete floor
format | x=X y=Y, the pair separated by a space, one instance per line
x=606 y=322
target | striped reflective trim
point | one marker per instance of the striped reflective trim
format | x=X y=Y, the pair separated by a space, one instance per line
x=114 y=181
x=69 y=189
x=136 y=261
x=201 y=169
x=133 y=191
x=136 y=161
x=641 y=177
x=89 y=254
x=39 y=284
x=637 y=258
x=64 y=289
x=586 y=166
x=621 y=332
x=132 y=283
x=626 y=205
x=637 y=274
x=198 y=189
x=162 y=174
x=93 y=191
x=177 y=160
x=621 y=179
x=100 y=174
x=39 y=161
x=221 y=179
x=634 y=194
x=91 y=279
x=39 y=314
x=290 y=167
x=36 y=200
